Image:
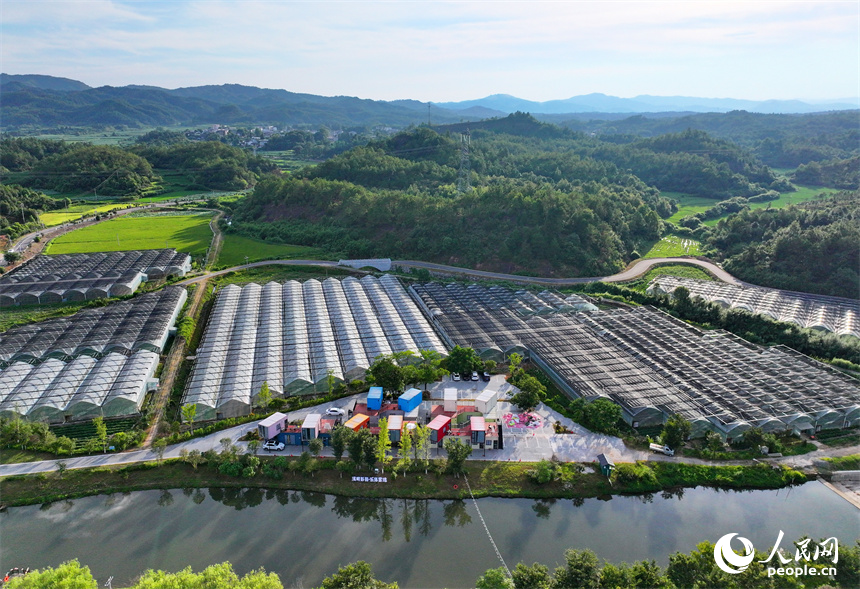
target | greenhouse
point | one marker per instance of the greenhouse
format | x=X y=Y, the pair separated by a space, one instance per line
x=86 y=277
x=144 y=322
x=838 y=315
x=299 y=338
x=56 y=391
x=649 y=363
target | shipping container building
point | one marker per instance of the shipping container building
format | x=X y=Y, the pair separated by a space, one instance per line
x=311 y=426
x=271 y=426
x=439 y=428
x=409 y=400
x=374 y=398
x=357 y=422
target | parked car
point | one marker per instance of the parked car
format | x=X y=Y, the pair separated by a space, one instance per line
x=455 y=376
x=485 y=376
x=273 y=445
x=335 y=412
x=474 y=376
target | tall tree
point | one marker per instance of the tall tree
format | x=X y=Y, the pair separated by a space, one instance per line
x=383 y=444
x=458 y=452
x=675 y=431
x=101 y=432
x=339 y=438
x=264 y=397
x=189 y=412
x=387 y=373
x=422 y=445
x=357 y=575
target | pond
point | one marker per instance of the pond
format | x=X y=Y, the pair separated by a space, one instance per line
x=418 y=543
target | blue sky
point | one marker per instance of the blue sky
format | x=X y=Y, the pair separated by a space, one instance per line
x=444 y=51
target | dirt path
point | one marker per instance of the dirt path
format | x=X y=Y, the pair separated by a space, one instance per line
x=217 y=241
x=171 y=367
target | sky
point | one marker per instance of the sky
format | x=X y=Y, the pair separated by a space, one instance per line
x=446 y=51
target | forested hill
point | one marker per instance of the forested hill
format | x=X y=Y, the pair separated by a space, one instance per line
x=779 y=140
x=811 y=247
x=530 y=210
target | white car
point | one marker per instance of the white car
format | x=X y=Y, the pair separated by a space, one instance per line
x=335 y=412
x=474 y=376
x=455 y=376
x=273 y=445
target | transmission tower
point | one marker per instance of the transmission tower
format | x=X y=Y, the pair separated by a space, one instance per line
x=465 y=176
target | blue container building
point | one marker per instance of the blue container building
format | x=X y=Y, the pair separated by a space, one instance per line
x=374 y=398
x=409 y=400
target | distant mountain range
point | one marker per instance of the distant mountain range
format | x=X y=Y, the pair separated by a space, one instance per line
x=45 y=101
x=602 y=103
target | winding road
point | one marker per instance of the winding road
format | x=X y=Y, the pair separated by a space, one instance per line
x=635 y=270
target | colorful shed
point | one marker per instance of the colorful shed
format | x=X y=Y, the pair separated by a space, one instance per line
x=357 y=422
x=479 y=429
x=486 y=401
x=439 y=428
x=311 y=426
x=271 y=426
x=450 y=400
x=374 y=398
x=291 y=436
x=395 y=424
x=409 y=400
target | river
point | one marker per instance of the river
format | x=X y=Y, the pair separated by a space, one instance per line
x=305 y=536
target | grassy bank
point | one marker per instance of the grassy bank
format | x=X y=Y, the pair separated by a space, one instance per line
x=496 y=479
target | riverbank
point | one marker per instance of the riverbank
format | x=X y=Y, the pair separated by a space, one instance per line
x=487 y=479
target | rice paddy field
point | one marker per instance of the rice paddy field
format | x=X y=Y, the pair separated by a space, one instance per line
x=235 y=248
x=187 y=233
x=73 y=213
x=672 y=246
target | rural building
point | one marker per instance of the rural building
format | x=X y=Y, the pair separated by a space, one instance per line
x=486 y=401
x=357 y=422
x=439 y=428
x=395 y=425
x=478 y=428
x=449 y=397
x=374 y=398
x=311 y=426
x=409 y=400
x=270 y=427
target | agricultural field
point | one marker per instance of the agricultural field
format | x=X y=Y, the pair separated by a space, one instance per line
x=690 y=205
x=680 y=270
x=73 y=213
x=278 y=273
x=286 y=160
x=235 y=249
x=14 y=316
x=189 y=233
x=673 y=246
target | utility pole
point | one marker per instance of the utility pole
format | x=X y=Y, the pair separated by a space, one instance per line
x=464 y=177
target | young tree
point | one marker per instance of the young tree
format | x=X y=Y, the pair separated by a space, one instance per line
x=101 y=432
x=369 y=445
x=713 y=443
x=601 y=415
x=355 y=447
x=159 y=446
x=422 y=445
x=253 y=446
x=526 y=400
x=315 y=446
x=189 y=412
x=383 y=444
x=675 y=431
x=264 y=397
x=62 y=467
x=458 y=452
x=339 y=437
x=514 y=361
x=404 y=460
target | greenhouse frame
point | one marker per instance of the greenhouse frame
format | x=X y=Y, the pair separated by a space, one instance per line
x=83 y=388
x=649 y=363
x=144 y=322
x=835 y=314
x=85 y=277
x=300 y=338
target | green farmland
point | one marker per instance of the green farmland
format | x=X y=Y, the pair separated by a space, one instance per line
x=672 y=246
x=61 y=216
x=186 y=233
x=690 y=205
x=236 y=247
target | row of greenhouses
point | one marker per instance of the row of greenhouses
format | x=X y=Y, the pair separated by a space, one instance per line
x=838 y=315
x=299 y=338
x=144 y=322
x=84 y=277
x=649 y=363
x=83 y=388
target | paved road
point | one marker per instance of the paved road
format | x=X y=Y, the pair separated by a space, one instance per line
x=637 y=269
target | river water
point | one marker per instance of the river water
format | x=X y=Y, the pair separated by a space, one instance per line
x=306 y=536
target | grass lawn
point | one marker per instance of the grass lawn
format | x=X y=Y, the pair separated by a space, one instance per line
x=12 y=316
x=690 y=205
x=236 y=247
x=673 y=246
x=187 y=233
